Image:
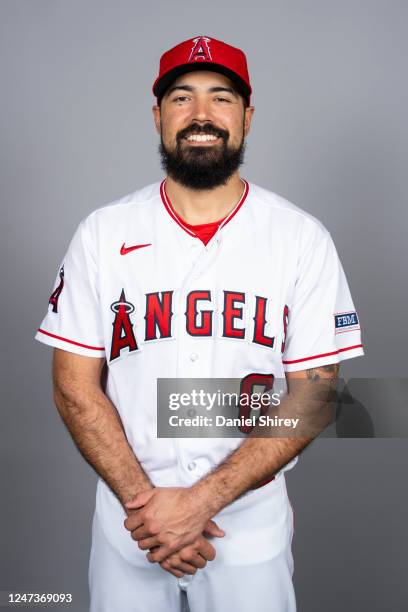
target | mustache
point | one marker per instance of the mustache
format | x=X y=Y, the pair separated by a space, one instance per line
x=202 y=129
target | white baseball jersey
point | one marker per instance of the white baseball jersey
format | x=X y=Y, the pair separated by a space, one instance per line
x=267 y=295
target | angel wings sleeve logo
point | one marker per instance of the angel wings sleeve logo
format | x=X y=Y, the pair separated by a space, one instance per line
x=54 y=297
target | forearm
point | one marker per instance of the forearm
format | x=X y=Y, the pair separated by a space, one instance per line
x=265 y=451
x=97 y=431
x=254 y=461
x=171 y=518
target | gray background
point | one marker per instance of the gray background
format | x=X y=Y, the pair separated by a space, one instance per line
x=329 y=133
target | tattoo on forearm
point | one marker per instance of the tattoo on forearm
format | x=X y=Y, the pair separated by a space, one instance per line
x=328 y=377
x=322 y=372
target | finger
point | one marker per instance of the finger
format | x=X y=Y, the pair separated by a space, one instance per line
x=159 y=555
x=176 y=563
x=154 y=548
x=140 y=533
x=140 y=500
x=192 y=557
x=166 y=566
x=212 y=529
x=205 y=549
x=147 y=543
x=133 y=521
x=167 y=546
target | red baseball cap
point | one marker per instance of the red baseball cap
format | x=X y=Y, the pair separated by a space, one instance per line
x=203 y=53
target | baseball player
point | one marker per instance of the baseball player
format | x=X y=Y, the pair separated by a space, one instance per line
x=207 y=275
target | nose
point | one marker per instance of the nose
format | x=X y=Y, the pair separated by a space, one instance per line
x=201 y=111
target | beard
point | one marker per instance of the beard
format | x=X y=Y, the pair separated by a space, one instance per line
x=204 y=167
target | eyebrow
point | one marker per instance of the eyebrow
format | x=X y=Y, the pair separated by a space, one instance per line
x=210 y=90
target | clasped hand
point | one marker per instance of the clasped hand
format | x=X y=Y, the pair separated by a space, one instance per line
x=171 y=523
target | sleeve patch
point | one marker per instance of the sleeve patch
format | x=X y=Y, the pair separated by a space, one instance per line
x=54 y=297
x=346 y=321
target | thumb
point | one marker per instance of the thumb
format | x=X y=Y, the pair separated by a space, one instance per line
x=140 y=500
x=212 y=529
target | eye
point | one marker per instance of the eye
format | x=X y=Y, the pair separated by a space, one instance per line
x=180 y=98
x=221 y=99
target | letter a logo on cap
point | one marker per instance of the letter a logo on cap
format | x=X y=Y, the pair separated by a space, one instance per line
x=200 y=50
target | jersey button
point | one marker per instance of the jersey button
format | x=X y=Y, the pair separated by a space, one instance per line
x=192 y=466
x=193 y=357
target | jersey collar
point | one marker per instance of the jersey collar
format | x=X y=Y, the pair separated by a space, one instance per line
x=169 y=207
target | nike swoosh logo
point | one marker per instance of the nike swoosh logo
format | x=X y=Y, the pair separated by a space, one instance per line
x=125 y=250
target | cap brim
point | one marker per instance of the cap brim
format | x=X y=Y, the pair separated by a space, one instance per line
x=163 y=84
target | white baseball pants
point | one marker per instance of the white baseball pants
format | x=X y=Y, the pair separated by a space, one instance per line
x=252 y=571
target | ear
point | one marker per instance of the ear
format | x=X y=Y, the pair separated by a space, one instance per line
x=157 y=117
x=249 y=112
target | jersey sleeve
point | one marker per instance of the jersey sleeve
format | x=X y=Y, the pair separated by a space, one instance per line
x=73 y=320
x=323 y=326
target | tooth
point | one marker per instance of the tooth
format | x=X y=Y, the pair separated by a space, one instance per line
x=201 y=137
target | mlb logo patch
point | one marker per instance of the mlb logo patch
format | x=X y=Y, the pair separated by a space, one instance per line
x=346 y=321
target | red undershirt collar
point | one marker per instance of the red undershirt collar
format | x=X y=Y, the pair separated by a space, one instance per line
x=204 y=231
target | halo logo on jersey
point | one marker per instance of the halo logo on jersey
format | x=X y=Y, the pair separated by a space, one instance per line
x=346 y=321
x=200 y=51
x=122 y=335
x=54 y=297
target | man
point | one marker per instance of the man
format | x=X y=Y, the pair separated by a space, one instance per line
x=202 y=275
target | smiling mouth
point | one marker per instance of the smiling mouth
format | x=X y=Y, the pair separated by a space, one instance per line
x=202 y=139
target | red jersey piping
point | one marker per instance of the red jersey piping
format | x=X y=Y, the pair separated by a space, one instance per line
x=349 y=348
x=94 y=348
